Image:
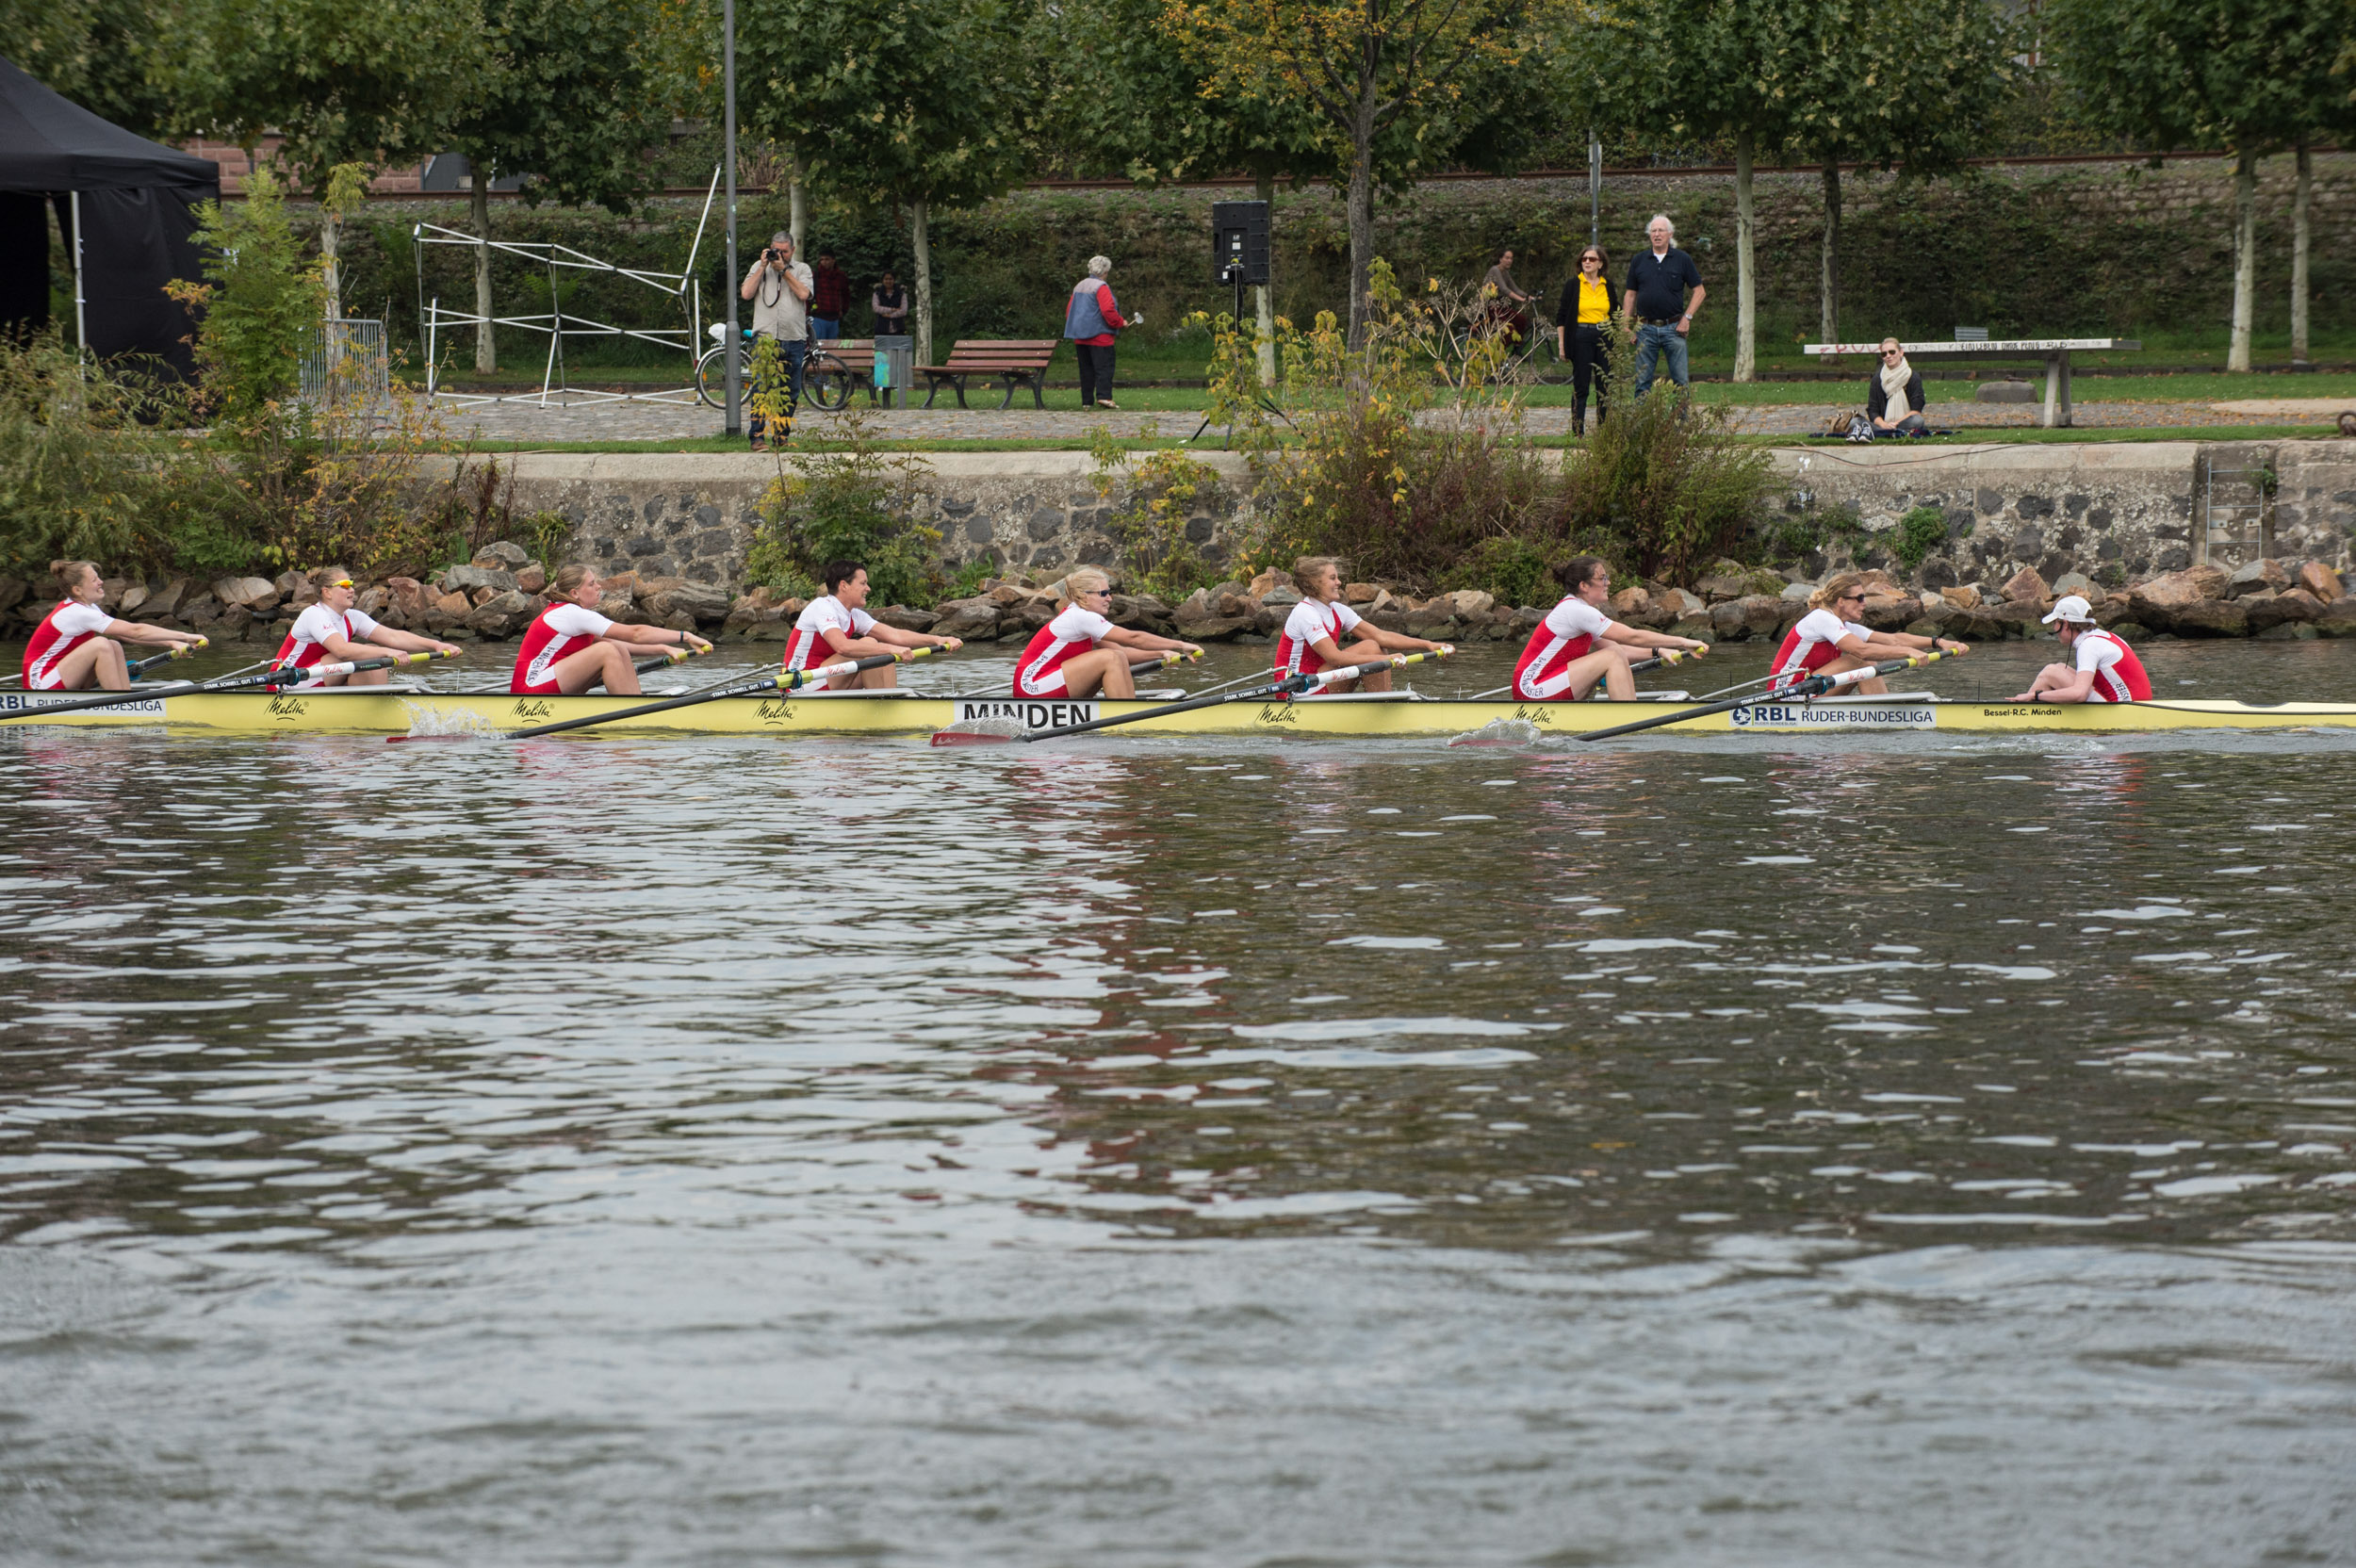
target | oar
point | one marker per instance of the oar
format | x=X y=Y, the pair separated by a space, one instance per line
x=1814 y=686
x=784 y=680
x=1666 y=655
x=677 y=655
x=178 y=650
x=1149 y=661
x=285 y=675
x=1290 y=686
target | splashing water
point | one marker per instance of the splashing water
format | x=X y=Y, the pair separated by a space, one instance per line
x=1501 y=732
x=969 y=732
x=456 y=725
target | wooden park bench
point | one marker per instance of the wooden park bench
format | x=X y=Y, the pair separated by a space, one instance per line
x=1015 y=361
x=2055 y=352
x=856 y=356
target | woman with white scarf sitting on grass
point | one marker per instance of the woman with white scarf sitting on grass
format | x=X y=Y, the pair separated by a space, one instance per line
x=1893 y=396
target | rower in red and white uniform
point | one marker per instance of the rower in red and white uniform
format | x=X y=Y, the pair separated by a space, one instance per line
x=570 y=647
x=2102 y=668
x=1314 y=632
x=79 y=646
x=1069 y=659
x=1578 y=645
x=836 y=627
x=1826 y=642
x=332 y=630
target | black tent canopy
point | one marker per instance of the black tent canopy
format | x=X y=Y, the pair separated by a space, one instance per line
x=127 y=205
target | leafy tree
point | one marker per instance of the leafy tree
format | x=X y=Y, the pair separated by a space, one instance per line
x=914 y=103
x=341 y=83
x=2248 y=76
x=260 y=303
x=562 y=92
x=1394 y=86
x=95 y=51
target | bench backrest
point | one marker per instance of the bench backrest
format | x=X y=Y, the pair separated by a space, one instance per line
x=1019 y=348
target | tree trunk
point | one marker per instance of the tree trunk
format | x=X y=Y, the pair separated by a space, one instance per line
x=2245 y=258
x=1829 y=282
x=921 y=246
x=1264 y=305
x=1361 y=208
x=794 y=208
x=1745 y=278
x=2301 y=196
x=331 y=234
x=486 y=353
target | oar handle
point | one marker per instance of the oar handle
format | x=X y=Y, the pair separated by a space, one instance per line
x=670 y=656
x=177 y=651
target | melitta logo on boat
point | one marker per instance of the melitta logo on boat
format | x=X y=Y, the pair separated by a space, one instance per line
x=284 y=707
x=1027 y=711
x=1809 y=715
x=25 y=702
x=532 y=712
x=1279 y=713
x=774 y=710
x=1533 y=716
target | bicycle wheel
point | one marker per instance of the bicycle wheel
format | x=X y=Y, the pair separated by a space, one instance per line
x=712 y=379
x=825 y=381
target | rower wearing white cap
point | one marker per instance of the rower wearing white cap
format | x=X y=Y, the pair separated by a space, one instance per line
x=2102 y=667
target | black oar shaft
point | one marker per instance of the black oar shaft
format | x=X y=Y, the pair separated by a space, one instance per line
x=1289 y=686
x=1811 y=687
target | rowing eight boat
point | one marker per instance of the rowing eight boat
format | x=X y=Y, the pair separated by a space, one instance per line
x=402 y=709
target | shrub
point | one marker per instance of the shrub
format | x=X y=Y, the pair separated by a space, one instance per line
x=261 y=301
x=1918 y=534
x=856 y=504
x=1165 y=489
x=1512 y=570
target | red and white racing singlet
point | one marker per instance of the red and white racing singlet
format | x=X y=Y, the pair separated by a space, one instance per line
x=63 y=630
x=306 y=645
x=1811 y=645
x=560 y=631
x=2118 y=673
x=1040 y=672
x=808 y=650
x=1568 y=632
x=1296 y=645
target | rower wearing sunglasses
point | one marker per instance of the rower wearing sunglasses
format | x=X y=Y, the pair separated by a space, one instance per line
x=1829 y=640
x=333 y=629
x=1081 y=654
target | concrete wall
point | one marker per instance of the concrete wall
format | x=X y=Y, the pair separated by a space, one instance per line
x=2119 y=513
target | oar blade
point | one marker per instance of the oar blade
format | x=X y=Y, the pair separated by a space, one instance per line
x=980 y=732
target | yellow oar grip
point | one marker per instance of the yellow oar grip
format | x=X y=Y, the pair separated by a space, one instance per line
x=921 y=651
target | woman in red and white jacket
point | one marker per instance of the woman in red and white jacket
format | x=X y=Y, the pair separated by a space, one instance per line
x=1091 y=320
x=79 y=646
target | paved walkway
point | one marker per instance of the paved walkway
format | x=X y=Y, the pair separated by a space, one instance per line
x=583 y=419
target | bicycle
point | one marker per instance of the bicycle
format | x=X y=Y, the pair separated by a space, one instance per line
x=826 y=380
x=1529 y=341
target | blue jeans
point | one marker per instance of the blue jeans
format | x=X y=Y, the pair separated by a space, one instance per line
x=1651 y=343
x=757 y=427
x=824 y=330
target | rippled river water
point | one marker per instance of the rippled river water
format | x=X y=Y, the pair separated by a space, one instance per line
x=1817 y=1150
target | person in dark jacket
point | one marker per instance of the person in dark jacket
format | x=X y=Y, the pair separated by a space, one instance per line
x=1893 y=395
x=1583 y=333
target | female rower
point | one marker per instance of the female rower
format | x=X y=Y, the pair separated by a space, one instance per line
x=836 y=626
x=571 y=647
x=79 y=646
x=1312 y=638
x=1578 y=643
x=332 y=629
x=1826 y=642
x=2103 y=669
x=1068 y=657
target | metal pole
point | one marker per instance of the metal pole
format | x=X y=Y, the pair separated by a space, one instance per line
x=81 y=327
x=1595 y=191
x=735 y=425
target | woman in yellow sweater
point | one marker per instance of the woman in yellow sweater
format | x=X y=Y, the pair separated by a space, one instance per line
x=1582 y=331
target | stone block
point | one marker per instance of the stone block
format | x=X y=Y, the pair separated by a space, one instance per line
x=2212 y=618
x=2294 y=606
x=532 y=578
x=2025 y=587
x=2159 y=601
x=470 y=578
x=1681 y=605
x=503 y=614
x=1356 y=594
x=2075 y=582
x=900 y=617
x=2320 y=580
x=246 y=593
x=1044 y=525
x=1961 y=597
x=1889 y=611
x=1472 y=601
x=501 y=557
x=1269 y=580
x=2264 y=574
x=2338 y=618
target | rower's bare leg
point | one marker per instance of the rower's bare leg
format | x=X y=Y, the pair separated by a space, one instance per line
x=1362 y=653
x=2050 y=678
x=98 y=662
x=1100 y=672
x=1872 y=686
x=1607 y=665
x=601 y=663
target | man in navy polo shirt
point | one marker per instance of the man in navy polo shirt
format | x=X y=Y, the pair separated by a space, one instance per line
x=1656 y=282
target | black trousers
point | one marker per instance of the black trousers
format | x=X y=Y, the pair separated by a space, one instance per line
x=1096 y=373
x=1591 y=362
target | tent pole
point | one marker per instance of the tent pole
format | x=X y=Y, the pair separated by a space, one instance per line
x=81 y=329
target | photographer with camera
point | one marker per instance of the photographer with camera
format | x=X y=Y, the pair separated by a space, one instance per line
x=779 y=290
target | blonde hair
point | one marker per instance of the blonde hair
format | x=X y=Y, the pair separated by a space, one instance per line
x=1310 y=568
x=568 y=579
x=325 y=575
x=67 y=573
x=1846 y=583
x=1087 y=580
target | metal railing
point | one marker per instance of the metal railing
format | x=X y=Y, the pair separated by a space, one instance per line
x=348 y=360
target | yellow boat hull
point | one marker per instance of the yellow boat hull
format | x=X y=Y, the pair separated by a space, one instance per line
x=397 y=712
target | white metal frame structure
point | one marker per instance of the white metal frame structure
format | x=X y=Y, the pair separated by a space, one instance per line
x=433 y=320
